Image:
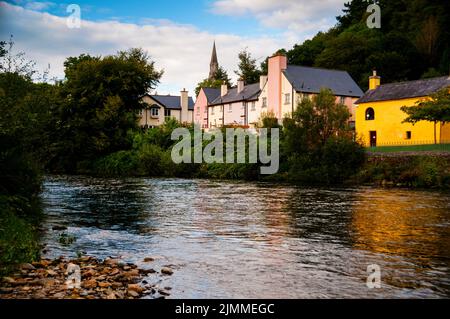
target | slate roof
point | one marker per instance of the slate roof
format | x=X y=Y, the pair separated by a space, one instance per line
x=211 y=94
x=404 y=90
x=172 y=101
x=312 y=80
x=250 y=92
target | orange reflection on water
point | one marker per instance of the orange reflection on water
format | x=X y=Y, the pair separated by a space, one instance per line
x=401 y=222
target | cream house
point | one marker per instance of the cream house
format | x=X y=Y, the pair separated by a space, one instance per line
x=232 y=106
x=161 y=107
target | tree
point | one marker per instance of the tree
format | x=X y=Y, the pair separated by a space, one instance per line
x=320 y=118
x=354 y=12
x=436 y=109
x=318 y=141
x=103 y=97
x=11 y=62
x=248 y=71
x=220 y=77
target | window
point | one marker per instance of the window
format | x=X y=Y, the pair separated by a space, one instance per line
x=408 y=135
x=264 y=102
x=212 y=110
x=230 y=108
x=370 y=114
x=167 y=112
x=342 y=100
x=287 y=98
x=253 y=107
x=154 y=112
x=221 y=108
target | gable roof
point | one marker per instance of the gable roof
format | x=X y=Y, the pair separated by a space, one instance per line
x=172 y=101
x=404 y=90
x=312 y=80
x=211 y=94
x=250 y=92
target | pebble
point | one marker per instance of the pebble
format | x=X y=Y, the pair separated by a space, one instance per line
x=108 y=279
x=166 y=271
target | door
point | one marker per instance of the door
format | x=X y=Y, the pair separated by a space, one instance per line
x=373 y=138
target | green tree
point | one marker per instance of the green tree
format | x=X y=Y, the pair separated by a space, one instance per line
x=436 y=110
x=247 y=69
x=103 y=96
x=220 y=77
x=318 y=142
x=318 y=119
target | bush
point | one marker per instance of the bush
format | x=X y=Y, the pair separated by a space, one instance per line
x=18 y=238
x=409 y=171
x=122 y=163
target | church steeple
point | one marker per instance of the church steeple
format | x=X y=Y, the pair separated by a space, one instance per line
x=214 y=64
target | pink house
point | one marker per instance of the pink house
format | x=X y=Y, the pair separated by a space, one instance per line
x=204 y=98
x=287 y=84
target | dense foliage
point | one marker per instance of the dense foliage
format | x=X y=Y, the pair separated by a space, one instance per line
x=413 y=42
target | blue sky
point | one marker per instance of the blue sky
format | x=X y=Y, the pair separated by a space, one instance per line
x=194 y=12
x=177 y=34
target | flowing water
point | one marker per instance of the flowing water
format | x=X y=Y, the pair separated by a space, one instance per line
x=258 y=240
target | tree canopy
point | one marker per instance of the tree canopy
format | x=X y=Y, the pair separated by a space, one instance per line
x=413 y=42
x=247 y=69
x=220 y=77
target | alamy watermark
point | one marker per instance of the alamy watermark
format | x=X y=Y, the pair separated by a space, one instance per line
x=74 y=19
x=374 y=19
x=374 y=277
x=238 y=143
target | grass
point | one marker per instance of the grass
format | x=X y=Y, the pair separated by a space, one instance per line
x=411 y=148
x=18 y=242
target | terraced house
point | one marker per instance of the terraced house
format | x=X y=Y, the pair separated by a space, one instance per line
x=278 y=92
x=379 y=116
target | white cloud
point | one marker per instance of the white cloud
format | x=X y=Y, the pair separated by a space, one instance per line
x=302 y=16
x=183 y=51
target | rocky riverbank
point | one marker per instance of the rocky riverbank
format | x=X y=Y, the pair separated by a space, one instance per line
x=83 y=278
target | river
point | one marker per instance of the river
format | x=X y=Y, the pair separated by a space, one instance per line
x=258 y=240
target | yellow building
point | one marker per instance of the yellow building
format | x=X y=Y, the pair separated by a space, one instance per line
x=379 y=117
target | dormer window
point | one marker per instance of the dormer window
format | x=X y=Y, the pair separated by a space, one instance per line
x=370 y=114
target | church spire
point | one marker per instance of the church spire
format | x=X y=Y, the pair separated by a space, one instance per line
x=214 y=65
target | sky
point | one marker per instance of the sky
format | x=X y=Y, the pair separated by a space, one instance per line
x=177 y=34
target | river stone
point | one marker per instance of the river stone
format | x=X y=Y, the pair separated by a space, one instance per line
x=90 y=284
x=104 y=284
x=166 y=271
x=149 y=259
x=135 y=287
x=133 y=293
x=164 y=292
x=27 y=266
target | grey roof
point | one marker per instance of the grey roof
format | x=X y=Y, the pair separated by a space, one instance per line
x=312 y=80
x=404 y=90
x=172 y=101
x=211 y=94
x=250 y=92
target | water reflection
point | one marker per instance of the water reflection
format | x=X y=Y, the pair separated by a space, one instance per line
x=280 y=240
x=410 y=229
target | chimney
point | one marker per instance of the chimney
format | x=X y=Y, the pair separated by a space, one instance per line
x=262 y=81
x=223 y=89
x=277 y=64
x=184 y=102
x=240 y=86
x=374 y=81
